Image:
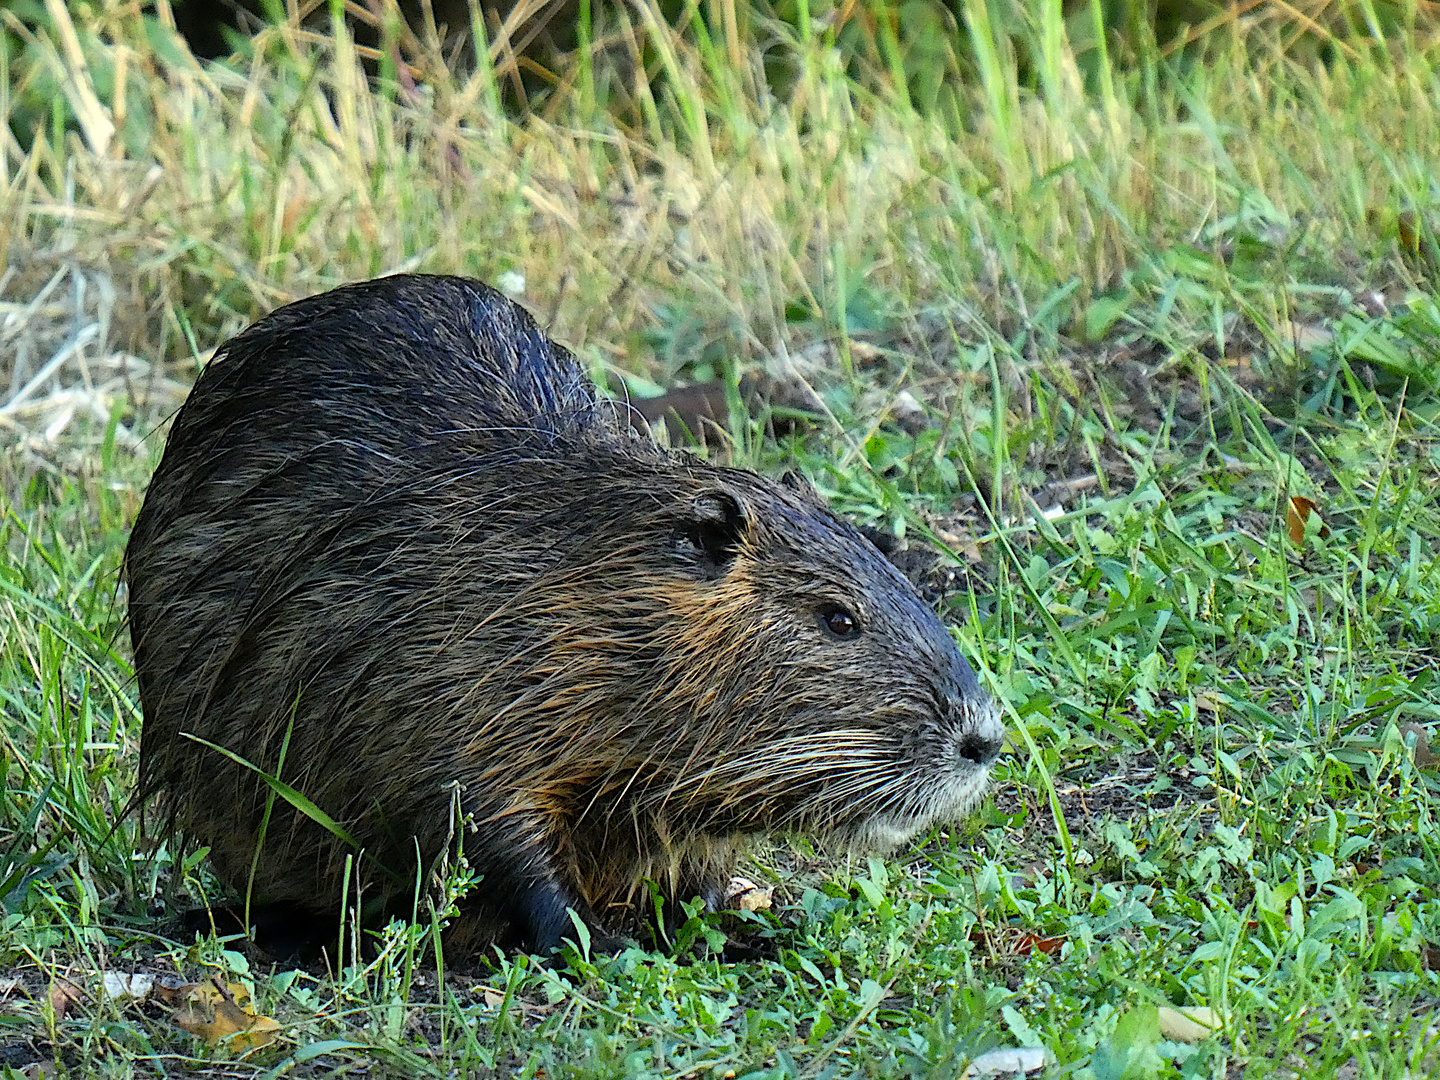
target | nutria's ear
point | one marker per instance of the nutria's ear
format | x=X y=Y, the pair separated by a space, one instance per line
x=711 y=531
x=886 y=542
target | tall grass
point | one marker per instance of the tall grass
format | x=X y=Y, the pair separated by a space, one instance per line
x=693 y=180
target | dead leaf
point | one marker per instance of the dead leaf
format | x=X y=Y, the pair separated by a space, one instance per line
x=120 y=986
x=62 y=995
x=1016 y=941
x=1206 y=703
x=493 y=998
x=1297 y=512
x=39 y=1070
x=1005 y=1063
x=964 y=546
x=744 y=895
x=1190 y=1024
x=219 y=1012
x=1425 y=758
x=1024 y=877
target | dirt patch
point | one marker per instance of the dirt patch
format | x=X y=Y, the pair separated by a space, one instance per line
x=1133 y=789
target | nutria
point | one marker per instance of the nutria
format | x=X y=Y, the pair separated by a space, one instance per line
x=397 y=539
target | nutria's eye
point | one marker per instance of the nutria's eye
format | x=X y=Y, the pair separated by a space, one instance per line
x=839 y=622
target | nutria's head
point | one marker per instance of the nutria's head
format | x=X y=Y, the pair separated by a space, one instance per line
x=733 y=657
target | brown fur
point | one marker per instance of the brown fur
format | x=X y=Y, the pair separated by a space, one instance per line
x=394 y=525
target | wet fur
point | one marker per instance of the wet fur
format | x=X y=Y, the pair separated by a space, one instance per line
x=395 y=524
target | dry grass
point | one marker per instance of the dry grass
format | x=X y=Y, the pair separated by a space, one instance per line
x=205 y=196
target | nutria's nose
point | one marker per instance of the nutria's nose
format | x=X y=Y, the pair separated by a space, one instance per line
x=981 y=747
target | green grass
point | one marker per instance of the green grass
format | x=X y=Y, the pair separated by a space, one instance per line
x=1140 y=301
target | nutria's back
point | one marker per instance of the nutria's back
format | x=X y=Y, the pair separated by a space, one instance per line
x=396 y=539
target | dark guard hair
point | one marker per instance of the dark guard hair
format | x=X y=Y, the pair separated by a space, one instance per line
x=394 y=525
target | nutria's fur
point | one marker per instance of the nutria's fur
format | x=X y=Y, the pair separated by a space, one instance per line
x=394 y=526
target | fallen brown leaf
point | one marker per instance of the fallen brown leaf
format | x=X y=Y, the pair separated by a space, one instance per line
x=219 y=1012
x=62 y=995
x=1424 y=756
x=493 y=999
x=1016 y=941
x=964 y=546
x=744 y=895
x=1297 y=512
